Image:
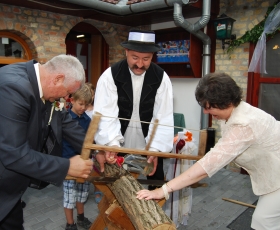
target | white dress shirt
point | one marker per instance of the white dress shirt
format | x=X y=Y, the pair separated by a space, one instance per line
x=36 y=67
x=109 y=131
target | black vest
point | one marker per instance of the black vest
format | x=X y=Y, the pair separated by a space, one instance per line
x=152 y=81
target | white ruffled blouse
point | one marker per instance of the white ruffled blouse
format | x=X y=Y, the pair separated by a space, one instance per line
x=251 y=138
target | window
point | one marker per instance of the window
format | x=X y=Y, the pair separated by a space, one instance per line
x=264 y=89
x=13 y=49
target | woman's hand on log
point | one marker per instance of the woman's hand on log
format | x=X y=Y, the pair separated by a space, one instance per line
x=156 y=194
x=79 y=167
x=155 y=161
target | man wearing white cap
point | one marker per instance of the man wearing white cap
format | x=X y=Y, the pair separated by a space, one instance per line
x=138 y=90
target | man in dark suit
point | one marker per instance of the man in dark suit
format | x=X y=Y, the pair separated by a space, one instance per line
x=27 y=93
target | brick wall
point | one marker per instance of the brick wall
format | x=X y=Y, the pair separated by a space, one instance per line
x=247 y=14
x=45 y=32
x=113 y=34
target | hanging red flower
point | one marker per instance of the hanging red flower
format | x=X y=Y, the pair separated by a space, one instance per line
x=180 y=145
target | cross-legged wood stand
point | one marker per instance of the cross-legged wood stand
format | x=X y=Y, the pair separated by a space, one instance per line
x=112 y=215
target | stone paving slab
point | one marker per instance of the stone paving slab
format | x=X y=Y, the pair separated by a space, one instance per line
x=44 y=208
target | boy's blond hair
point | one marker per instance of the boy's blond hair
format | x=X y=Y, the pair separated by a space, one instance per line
x=83 y=94
x=91 y=86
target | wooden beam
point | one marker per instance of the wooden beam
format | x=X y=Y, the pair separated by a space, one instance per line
x=141 y=152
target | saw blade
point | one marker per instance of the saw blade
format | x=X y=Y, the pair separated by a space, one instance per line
x=110 y=180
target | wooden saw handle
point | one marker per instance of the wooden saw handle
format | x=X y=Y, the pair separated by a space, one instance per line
x=150 y=166
x=89 y=139
x=147 y=147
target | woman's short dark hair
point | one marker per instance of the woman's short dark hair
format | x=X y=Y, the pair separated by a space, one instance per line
x=218 y=90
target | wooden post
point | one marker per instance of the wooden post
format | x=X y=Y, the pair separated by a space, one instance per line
x=201 y=153
x=202 y=142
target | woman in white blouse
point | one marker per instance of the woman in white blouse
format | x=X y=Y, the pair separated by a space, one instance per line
x=250 y=138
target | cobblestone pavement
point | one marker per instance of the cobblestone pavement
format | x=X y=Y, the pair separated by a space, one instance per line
x=44 y=208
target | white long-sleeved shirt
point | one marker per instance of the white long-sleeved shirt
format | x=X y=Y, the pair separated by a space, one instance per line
x=109 y=131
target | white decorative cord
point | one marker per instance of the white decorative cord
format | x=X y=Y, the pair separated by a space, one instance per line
x=146 y=122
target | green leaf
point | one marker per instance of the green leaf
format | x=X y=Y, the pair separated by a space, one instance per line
x=254 y=34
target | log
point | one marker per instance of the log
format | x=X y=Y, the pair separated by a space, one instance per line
x=144 y=215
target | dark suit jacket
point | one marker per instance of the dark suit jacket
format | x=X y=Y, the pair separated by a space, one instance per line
x=21 y=135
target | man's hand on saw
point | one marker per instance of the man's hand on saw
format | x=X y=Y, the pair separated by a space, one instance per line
x=106 y=157
x=100 y=157
x=79 y=167
x=155 y=162
x=111 y=157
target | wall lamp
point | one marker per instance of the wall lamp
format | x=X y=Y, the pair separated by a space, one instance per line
x=80 y=36
x=223 y=27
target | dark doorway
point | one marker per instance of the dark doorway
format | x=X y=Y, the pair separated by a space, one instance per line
x=87 y=43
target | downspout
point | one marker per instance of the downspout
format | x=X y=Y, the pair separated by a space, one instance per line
x=195 y=29
x=123 y=9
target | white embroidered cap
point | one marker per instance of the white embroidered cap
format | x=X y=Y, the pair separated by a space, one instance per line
x=141 y=41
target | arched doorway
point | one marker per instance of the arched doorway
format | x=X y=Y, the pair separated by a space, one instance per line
x=87 y=43
x=13 y=49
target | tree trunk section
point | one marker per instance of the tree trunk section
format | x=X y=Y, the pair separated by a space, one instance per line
x=144 y=215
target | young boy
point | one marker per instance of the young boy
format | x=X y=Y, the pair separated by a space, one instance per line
x=77 y=193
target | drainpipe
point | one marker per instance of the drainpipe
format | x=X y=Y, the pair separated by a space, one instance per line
x=195 y=29
x=123 y=9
